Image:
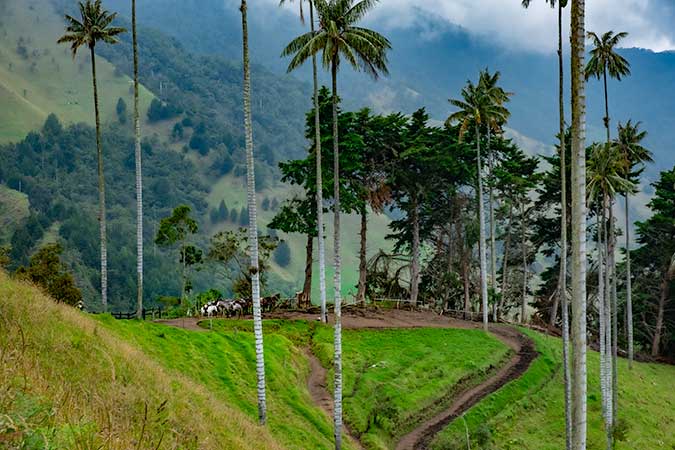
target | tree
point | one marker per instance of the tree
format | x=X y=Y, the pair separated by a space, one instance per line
x=479 y=106
x=175 y=230
x=319 y=182
x=47 y=271
x=578 y=334
x=94 y=26
x=282 y=255
x=562 y=278
x=656 y=255
x=604 y=60
x=297 y=216
x=121 y=110
x=252 y=221
x=634 y=155
x=139 y=170
x=222 y=211
x=605 y=180
x=338 y=37
x=230 y=249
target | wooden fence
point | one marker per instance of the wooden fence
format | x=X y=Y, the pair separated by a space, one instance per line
x=152 y=313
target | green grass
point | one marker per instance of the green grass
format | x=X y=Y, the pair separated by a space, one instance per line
x=14 y=207
x=48 y=80
x=392 y=377
x=528 y=414
x=67 y=382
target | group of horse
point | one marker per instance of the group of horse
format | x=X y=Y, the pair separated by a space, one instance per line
x=238 y=307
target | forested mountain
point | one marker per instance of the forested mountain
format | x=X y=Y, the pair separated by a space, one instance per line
x=455 y=54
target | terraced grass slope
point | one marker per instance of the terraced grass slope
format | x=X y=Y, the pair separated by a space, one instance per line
x=527 y=414
x=39 y=77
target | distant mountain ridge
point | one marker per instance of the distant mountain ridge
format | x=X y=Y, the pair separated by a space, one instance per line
x=430 y=62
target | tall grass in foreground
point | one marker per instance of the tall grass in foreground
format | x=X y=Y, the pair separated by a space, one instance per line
x=67 y=382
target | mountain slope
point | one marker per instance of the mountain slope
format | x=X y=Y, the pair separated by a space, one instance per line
x=38 y=76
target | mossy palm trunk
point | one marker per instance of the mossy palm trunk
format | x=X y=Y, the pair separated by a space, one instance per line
x=306 y=297
x=493 y=232
x=319 y=182
x=562 y=281
x=253 y=226
x=139 y=172
x=481 y=240
x=337 y=397
x=578 y=335
x=629 y=288
x=523 y=236
x=101 y=189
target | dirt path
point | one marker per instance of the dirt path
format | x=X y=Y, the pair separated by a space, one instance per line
x=187 y=323
x=420 y=437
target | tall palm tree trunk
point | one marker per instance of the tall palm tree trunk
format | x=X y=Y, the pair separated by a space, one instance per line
x=481 y=243
x=629 y=287
x=319 y=181
x=524 y=247
x=579 y=382
x=613 y=298
x=361 y=292
x=562 y=281
x=101 y=189
x=337 y=409
x=606 y=119
x=139 y=173
x=253 y=225
x=603 y=324
x=608 y=322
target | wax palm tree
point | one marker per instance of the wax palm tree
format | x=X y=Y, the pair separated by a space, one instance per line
x=578 y=328
x=606 y=178
x=562 y=278
x=95 y=26
x=480 y=108
x=339 y=38
x=319 y=176
x=633 y=154
x=605 y=61
x=489 y=85
x=252 y=223
x=139 y=171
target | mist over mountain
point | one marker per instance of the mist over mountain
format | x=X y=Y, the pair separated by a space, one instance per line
x=430 y=61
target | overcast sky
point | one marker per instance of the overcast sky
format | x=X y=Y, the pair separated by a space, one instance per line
x=649 y=22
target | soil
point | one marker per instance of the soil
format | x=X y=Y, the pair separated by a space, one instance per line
x=187 y=323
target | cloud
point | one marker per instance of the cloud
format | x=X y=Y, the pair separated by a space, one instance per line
x=506 y=23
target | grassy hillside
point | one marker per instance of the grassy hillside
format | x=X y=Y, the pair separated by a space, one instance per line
x=527 y=414
x=68 y=382
x=207 y=379
x=38 y=77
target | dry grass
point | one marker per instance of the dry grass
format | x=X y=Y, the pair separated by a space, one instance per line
x=66 y=382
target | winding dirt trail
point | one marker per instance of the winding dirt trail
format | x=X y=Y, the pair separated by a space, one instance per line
x=525 y=353
x=420 y=437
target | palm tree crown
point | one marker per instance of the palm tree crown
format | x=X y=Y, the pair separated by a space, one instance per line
x=526 y=3
x=93 y=27
x=338 y=38
x=605 y=172
x=604 y=58
x=629 y=147
x=481 y=103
